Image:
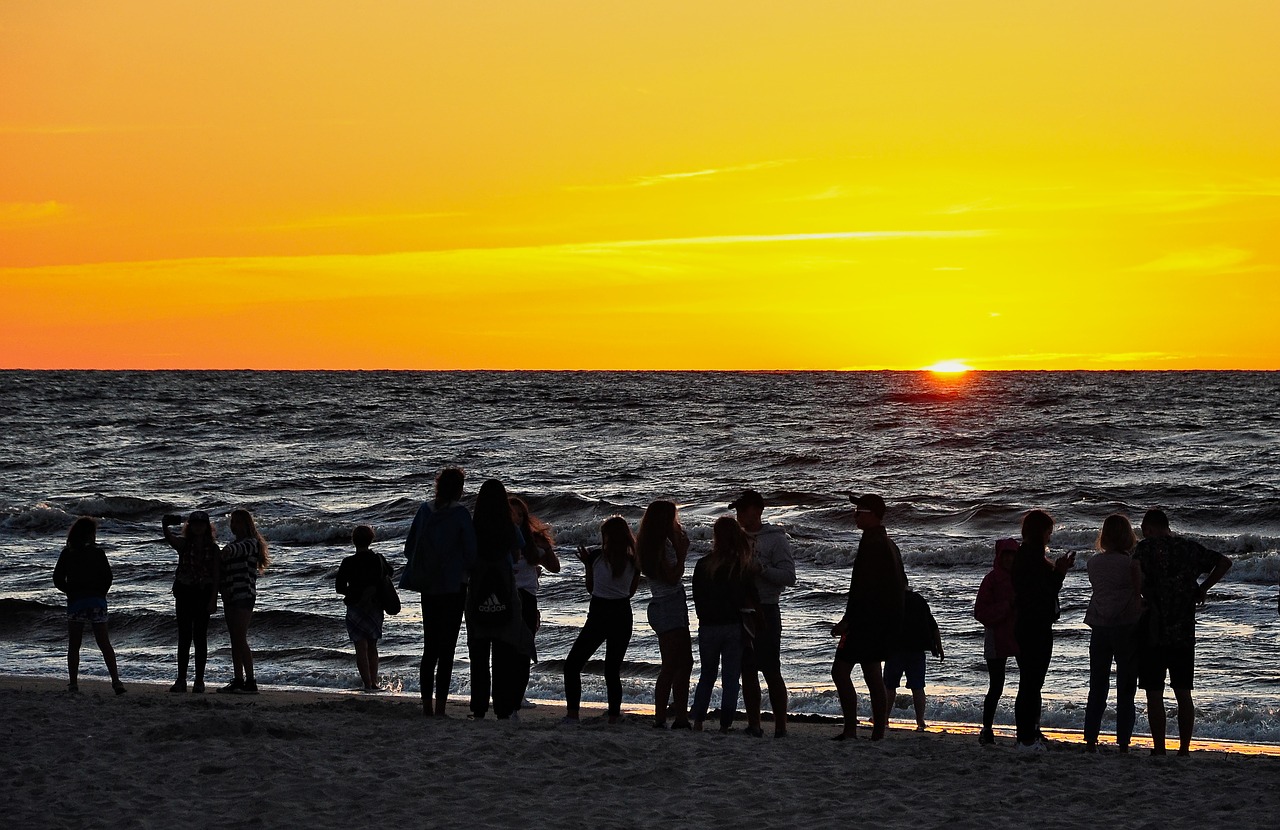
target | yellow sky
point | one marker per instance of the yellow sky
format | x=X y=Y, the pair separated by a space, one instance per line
x=575 y=184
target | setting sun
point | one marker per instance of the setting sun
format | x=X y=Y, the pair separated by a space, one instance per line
x=949 y=367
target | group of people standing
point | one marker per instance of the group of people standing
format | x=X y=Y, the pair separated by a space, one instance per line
x=1141 y=614
x=204 y=572
x=483 y=566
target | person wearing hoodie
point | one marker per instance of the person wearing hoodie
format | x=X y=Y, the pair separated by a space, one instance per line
x=994 y=609
x=762 y=654
x=1036 y=583
x=440 y=549
x=84 y=575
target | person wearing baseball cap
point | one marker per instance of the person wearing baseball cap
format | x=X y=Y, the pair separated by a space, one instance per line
x=872 y=616
x=763 y=655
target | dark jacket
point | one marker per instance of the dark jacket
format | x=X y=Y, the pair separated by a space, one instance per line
x=1035 y=591
x=82 y=572
x=359 y=577
x=720 y=597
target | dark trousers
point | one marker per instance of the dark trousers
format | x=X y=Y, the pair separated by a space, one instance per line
x=995 y=688
x=191 y=603
x=529 y=613
x=1105 y=643
x=608 y=622
x=441 y=622
x=507 y=663
x=1035 y=651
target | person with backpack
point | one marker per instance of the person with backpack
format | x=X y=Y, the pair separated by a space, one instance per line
x=919 y=633
x=440 y=551
x=495 y=626
x=612 y=576
x=360 y=576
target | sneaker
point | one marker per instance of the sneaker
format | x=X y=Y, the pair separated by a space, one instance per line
x=197 y=688
x=528 y=704
x=754 y=731
x=232 y=688
x=249 y=687
x=73 y=688
x=986 y=737
x=118 y=687
x=179 y=688
x=1035 y=748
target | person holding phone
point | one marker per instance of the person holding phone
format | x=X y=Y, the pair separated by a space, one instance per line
x=195 y=590
x=1036 y=583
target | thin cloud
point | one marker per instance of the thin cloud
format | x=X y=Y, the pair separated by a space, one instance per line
x=1216 y=258
x=756 y=239
x=25 y=213
x=669 y=178
x=322 y=222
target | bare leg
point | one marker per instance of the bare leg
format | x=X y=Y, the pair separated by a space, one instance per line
x=238 y=632
x=108 y=653
x=373 y=664
x=842 y=675
x=75 y=633
x=362 y=662
x=872 y=673
x=778 y=700
x=673 y=680
x=917 y=697
x=1186 y=720
x=891 y=697
x=1156 y=719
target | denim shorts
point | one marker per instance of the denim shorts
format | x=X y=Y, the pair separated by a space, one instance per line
x=668 y=613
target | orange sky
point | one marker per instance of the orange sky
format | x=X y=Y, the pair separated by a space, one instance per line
x=581 y=185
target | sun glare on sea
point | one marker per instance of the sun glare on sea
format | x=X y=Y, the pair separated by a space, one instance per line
x=949 y=367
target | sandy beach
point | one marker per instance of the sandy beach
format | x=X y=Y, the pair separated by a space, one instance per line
x=299 y=759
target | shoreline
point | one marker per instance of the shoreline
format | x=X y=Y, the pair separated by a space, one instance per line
x=550 y=712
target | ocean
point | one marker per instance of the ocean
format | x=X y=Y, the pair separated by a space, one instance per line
x=958 y=459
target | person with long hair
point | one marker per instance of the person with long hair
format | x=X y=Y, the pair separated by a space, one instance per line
x=243 y=561
x=662 y=547
x=994 y=609
x=1114 y=608
x=1036 y=583
x=539 y=553
x=84 y=575
x=440 y=551
x=495 y=628
x=612 y=576
x=723 y=587
x=195 y=590
x=358 y=579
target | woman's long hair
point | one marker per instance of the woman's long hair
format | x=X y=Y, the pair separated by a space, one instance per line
x=617 y=545
x=495 y=529
x=730 y=548
x=537 y=533
x=201 y=541
x=84 y=531
x=244 y=519
x=651 y=541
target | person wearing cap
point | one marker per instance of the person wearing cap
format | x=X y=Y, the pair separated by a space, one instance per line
x=195 y=595
x=1171 y=587
x=872 y=616
x=762 y=654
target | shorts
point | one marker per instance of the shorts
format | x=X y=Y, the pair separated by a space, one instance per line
x=92 y=610
x=1178 y=661
x=668 y=613
x=764 y=652
x=364 y=622
x=910 y=662
x=237 y=605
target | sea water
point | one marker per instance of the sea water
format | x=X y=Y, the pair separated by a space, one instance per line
x=958 y=460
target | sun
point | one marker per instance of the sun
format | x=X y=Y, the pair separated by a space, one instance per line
x=949 y=367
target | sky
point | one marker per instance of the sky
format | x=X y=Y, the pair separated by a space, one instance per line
x=569 y=184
